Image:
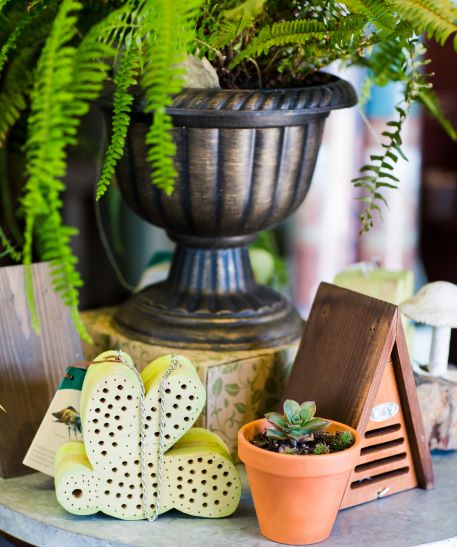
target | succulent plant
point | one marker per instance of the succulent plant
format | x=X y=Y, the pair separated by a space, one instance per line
x=341 y=441
x=321 y=448
x=297 y=423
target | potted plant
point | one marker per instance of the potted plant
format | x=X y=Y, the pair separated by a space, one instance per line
x=56 y=57
x=298 y=467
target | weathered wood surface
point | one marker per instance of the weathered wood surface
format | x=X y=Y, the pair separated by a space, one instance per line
x=31 y=366
x=345 y=339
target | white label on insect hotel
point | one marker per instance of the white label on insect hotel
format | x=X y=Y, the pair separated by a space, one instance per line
x=384 y=411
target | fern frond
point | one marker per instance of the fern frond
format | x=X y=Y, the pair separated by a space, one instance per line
x=120 y=26
x=68 y=78
x=18 y=77
x=378 y=12
x=170 y=27
x=54 y=241
x=389 y=60
x=346 y=30
x=3 y=4
x=434 y=17
x=16 y=86
x=48 y=135
x=126 y=76
x=8 y=248
x=427 y=97
x=28 y=20
x=234 y=21
x=12 y=40
x=226 y=33
x=377 y=174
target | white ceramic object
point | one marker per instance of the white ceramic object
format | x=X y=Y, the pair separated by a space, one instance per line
x=435 y=305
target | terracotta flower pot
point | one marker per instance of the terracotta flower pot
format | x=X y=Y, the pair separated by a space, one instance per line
x=296 y=498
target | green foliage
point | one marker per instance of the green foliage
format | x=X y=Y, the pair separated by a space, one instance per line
x=3 y=4
x=297 y=422
x=173 y=25
x=377 y=175
x=341 y=441
x=56 y=56
x=126 y=76
x=67 y=80
x=15 y=91
x=49 y=134
x=338 y=35
x=321 y=448
x=437 y=18
x=267 y=240
x=8 y=247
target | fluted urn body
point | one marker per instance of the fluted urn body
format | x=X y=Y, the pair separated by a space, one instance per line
x=245 y=161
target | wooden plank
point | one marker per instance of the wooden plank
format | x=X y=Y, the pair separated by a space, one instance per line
x=346 y=337
x=31 y=366
x=411 y=410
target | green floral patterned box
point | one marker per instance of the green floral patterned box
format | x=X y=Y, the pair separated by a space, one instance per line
x=240 y=385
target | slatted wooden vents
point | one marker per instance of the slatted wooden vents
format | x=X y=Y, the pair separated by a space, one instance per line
x=353 y=361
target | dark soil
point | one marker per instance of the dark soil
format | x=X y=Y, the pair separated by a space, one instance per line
x=326 y=443
x=240 y=78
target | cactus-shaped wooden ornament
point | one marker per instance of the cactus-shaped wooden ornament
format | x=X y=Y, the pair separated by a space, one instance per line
x=105 y=472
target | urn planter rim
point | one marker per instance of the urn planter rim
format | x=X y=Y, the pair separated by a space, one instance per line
x=263 y=107
x=314 y=99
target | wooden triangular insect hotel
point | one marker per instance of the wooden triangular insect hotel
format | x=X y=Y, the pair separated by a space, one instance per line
x=353 y=361
x=110 y=472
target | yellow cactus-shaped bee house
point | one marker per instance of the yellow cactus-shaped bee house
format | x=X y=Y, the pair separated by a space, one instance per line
x=105 y=473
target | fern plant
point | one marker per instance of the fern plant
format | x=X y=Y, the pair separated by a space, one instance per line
x=57 y=55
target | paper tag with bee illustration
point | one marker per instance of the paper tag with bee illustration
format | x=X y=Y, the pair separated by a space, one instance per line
x=61 y=423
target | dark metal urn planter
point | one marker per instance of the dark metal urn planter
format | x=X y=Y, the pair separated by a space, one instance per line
x=245 y=159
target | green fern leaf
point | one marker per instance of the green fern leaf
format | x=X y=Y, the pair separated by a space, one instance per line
x=68 y=78
x=3 y=4
x=378 y=12
x=434 y=17
x=15 y=88
x=381 y=164
x=12 y=40
x=170 y=28
x=234 y=21
x=126 y=76
x=338 y=34
x=8 y=248
x=24 y=30
x=18 y=77
x=49 y=133
x=431 y=102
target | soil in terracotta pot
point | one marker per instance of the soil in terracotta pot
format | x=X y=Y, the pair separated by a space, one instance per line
x=318 y=443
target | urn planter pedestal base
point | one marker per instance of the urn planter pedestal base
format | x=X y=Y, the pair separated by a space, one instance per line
x=210 y=301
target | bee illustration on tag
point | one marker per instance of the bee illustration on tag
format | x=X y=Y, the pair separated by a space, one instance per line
x=71 y=418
